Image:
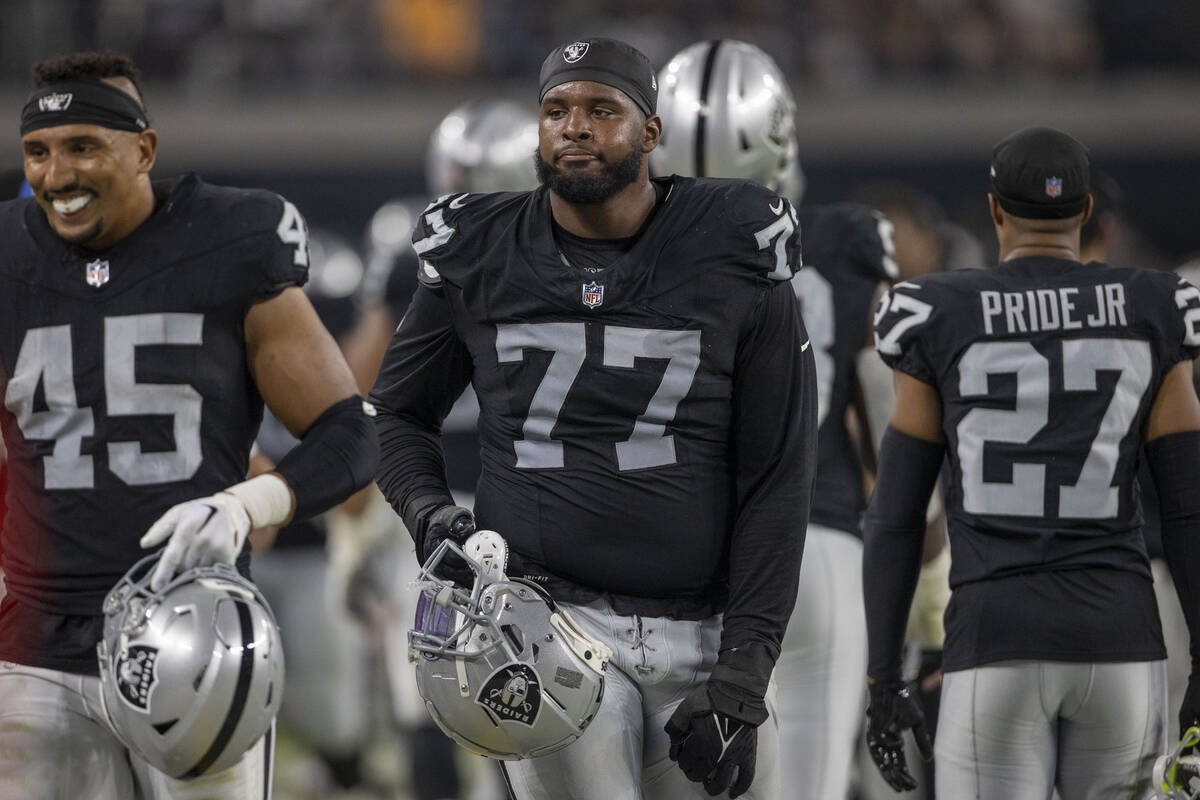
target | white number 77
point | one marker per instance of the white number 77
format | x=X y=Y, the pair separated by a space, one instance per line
x=648 y=445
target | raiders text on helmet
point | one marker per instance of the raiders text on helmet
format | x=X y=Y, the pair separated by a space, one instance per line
x=191 y=676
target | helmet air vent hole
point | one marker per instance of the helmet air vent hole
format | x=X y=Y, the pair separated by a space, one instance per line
x=199 y=678
x=163 y=727
x=743 y=142
x=514 y=637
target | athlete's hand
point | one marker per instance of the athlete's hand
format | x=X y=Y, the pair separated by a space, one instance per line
x=442 y=523
x=714 y=731
x=712 y=748
x=209 y=530
x=893 y=710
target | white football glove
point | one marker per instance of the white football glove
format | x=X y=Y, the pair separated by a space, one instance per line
x=212 y=530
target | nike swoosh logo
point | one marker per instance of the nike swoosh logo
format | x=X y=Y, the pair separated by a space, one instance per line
x=777 y=211
x=458 y=201
x=804 y=346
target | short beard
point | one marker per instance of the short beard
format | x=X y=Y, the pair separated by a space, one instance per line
x=590 y=189
x=85 y=237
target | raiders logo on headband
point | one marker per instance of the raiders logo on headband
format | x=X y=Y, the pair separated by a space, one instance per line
x=574 y=51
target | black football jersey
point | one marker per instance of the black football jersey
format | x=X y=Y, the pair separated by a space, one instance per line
x=124 y=376
x=609 y=420
x=1047 y=370
x=847 y=254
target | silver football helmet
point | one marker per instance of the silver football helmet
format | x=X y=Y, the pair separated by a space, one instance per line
x=483 y=146
x=191 y=676
x=503 y=670
x=1176 y=776
x=727 y=112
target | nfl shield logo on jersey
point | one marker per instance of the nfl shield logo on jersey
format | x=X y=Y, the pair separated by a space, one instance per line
x=593 y=294
x=97 y=273
x=1053 y=187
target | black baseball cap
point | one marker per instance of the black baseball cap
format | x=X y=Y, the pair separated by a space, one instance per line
x=1041 y=173
x=609 y=61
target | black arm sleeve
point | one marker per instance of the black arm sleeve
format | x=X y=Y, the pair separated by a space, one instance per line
x=425 y=369
x=775 y=436
x=335 y=458
x=1175 y=461
x=893 y=541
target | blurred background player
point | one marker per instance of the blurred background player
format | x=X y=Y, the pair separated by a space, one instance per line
x=482 y=145
x=925 y=241
x=728 y=112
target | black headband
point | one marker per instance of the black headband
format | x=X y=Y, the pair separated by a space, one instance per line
x=606 y=61
x=82 y=103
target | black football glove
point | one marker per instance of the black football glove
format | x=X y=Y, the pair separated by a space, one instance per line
x=1189 y=710
x=714 y=731
x=893 y=710
x=436 y=523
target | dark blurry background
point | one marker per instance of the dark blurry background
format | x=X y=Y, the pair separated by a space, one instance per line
x=331 y=102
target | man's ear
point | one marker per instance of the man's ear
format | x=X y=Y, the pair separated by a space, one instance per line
x=147 y=149
x=995 y=210
x=652 y=133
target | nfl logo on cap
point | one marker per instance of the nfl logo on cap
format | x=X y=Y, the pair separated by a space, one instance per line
x=97 y=273
x=1053 y=187
x=593 y=294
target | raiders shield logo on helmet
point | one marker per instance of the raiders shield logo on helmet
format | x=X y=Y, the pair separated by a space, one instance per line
x=512 y=693
x=136 y=675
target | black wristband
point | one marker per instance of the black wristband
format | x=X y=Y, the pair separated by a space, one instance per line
x=336 y=457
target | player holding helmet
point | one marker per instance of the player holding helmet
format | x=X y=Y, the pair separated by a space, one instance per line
x=647 y=426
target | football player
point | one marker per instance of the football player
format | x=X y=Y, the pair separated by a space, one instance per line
x=142 y=326
x=647 y=425
x=1040 y=380
x=728 y=112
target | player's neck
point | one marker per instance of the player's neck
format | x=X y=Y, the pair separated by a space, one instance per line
x=1045 y=245
x=618 y=217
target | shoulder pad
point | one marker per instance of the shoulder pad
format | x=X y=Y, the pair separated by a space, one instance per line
x=849 y=236
x=273 y=223
x=903 y=313
x=1186 y=297
x=765 y=221
x=449 y=220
